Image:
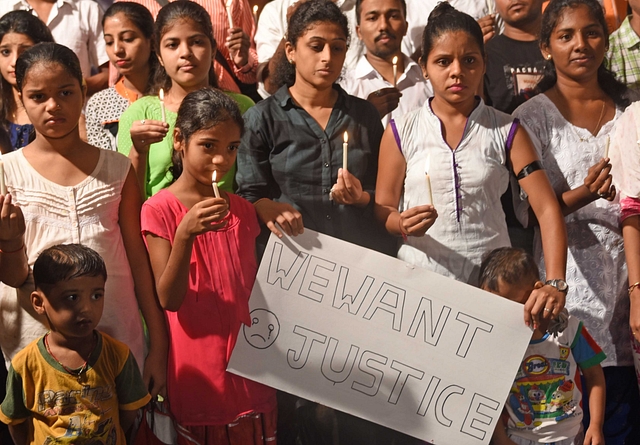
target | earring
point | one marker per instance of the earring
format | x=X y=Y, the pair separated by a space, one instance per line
x=291 y=61
x=548 y=56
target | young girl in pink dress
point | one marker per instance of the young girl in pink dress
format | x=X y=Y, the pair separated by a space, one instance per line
x=202 y=250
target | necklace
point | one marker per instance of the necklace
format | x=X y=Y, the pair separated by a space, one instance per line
x=597 y=127
x=79 y=373
x=593 y=133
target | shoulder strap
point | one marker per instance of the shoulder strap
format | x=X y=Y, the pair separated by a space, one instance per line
x=392 y=122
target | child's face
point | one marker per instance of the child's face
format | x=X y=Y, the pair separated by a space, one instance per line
x=319 y=55
x=577 y=44
x=53 y=99
x=12 y=45
x=73 y=307
x=186 y=55
x=128 y=49
x=209 y=150
x=455 y=67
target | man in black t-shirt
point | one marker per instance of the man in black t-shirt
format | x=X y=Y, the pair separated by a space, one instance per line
x=514 y=62
x=514 y=66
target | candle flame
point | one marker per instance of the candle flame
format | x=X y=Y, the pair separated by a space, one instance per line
x=161 y=94
x=214 y=176
x=427 y=164
x=346 y=137
x=394 y=60
x=255 y=9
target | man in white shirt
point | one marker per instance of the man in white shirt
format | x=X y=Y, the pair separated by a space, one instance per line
x=76 y=24
x=272 y=27
x=418 y=13
x=381 y=27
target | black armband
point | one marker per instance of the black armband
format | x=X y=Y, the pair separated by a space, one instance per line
x=528 y=169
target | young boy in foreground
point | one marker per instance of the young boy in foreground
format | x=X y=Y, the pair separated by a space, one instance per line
x=545 y=402
x=74 y=384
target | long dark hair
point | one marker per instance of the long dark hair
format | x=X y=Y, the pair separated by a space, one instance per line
x=143 y=20
x=200 y=110
x=167 y=17
x=25 y=23
x=606 y=79
x=308 y=13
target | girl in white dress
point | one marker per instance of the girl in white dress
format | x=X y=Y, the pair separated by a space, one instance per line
x=570 y=123
x=469 y=149
x=62 y=190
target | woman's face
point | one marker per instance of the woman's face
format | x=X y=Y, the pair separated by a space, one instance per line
x=319 y=55
x=186 y=54
x=455 y=66
x=577 y=44
x=12 y=45
x=127 y=47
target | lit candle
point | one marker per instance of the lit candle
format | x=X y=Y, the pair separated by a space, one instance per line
x=395 y=70
x=3 y=185
x=214 y=184
x=164 y=113
x=345 y=150
x=606 y=148
x=426 y=172
x=255 y=13
x=229 y=4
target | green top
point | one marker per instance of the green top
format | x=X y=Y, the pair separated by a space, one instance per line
x=159 y=159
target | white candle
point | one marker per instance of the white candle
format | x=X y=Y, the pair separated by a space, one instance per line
x=255 y=13
x=229 y=5
x=3 y=185
x=164 y=113
x=606 y=148
x=395 y=70
x=345 y=150
x=214 y=184
x=426 y=172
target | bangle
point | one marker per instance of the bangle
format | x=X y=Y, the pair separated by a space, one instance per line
x=21 y=248
x=404 y=235
x=633 y=287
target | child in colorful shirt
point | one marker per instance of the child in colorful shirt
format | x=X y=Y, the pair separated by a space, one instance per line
x=545 y=402
x=74 y=384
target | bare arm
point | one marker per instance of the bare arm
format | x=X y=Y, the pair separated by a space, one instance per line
x=597 y=184
x=19 y=433
x=98 y=81
x=155 y=367
x=14 y=267
x=171 y=264
x=595 y=383
x=631 y=235
x=554 y=235
x=412 y=222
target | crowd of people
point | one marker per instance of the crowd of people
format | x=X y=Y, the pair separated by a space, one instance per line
x=150 y=148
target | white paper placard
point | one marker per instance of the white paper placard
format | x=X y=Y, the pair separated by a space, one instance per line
x=370 y=335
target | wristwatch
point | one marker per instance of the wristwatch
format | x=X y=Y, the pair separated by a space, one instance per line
x=561 y=285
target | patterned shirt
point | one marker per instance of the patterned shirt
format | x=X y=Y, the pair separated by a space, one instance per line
x=103 y=115
x=286 y=156
x=59 y=408
x=242 y=17
x=624 y=55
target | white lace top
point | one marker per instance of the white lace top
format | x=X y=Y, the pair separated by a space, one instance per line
x=86 y=213
x=596 y=268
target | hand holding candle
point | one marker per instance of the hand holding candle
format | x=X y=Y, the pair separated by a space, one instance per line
x=162 y=109
x=395 y=71
x=214 y=184
x=345 y=150
x=428 y=178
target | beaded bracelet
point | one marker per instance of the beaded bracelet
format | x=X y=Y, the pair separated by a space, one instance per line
x=20 y=249
x=633 y=286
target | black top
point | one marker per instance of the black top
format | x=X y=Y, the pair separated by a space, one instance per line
x=513 y=69
x=286 y=156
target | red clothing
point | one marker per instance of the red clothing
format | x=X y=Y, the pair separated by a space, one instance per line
x=203 y=332
x=242 y=18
